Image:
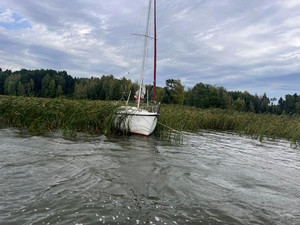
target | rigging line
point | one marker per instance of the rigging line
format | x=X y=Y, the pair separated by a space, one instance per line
x=149 y=45
x=144 y=52
x=147 y=60
x=132 y=46
x=260 y=168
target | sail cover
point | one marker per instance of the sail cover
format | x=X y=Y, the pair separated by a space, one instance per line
x=142 y=95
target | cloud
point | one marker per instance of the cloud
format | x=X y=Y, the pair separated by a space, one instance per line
x=288 y=4
x=6 y=16
x=62 y=42
x=241 y=45
x=12 y=21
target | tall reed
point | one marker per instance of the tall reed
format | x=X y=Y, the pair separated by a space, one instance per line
x=40 y=114
x=257 y=125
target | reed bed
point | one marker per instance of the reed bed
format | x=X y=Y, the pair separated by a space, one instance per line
x=40 y=114
x=258 y=126
x=71 y=116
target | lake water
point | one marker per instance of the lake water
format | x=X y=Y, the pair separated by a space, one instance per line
x=211 y=178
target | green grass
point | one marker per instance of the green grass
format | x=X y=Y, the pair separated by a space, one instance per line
x=71 y=116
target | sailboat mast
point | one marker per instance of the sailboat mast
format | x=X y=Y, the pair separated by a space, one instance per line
x=155 y=53
x=144 y=53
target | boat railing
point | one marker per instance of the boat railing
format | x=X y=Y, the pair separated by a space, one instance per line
x=151 y=107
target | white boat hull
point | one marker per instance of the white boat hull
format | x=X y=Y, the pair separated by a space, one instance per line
x=136 y=120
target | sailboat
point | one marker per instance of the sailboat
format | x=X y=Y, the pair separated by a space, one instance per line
x=137 y=119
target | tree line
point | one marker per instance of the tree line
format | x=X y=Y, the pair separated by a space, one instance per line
x=53 y=84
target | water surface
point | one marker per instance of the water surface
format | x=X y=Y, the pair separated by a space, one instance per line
x=212 y=178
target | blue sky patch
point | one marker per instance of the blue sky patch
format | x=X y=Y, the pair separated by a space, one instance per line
x=13 y=21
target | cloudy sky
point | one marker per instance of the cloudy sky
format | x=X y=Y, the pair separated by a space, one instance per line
x=241 y=45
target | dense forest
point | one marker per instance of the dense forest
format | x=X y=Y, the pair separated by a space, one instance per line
x=58 y=84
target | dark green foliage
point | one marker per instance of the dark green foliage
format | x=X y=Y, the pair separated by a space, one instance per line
x=104 y=88
x=205 y=96
x=39 y=83
x=173 y=92
x=3 y=77
x=53 y=84
x=239 y=105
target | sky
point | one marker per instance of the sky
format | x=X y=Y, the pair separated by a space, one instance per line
x=241 y=45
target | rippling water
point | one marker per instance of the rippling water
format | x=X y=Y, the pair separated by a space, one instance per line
x=212 y=178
